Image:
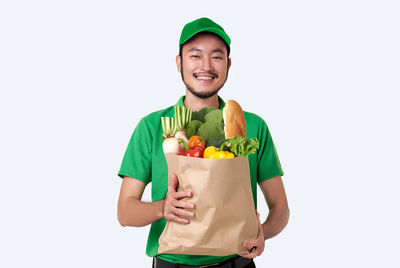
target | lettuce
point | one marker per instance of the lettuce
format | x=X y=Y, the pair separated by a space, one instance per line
x=241 y=146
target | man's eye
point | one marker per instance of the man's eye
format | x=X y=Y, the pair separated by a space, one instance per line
x=217 y=57
x=195 y=56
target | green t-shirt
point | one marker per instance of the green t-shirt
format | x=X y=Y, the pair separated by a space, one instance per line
x=144 y=160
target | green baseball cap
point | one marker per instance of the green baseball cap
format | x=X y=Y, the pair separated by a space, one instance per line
x=202 y=25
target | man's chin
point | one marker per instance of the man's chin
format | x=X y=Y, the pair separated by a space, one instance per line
x=203 y=95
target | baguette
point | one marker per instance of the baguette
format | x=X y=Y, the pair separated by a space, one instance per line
x=234 y=120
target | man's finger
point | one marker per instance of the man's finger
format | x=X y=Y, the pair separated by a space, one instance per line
x=182 y=194
x=260 y=229
x=258 y=219
x=251 y=255
x=178 y=220
x=250 y=244
x=182 y=204
x=182 y=212
x=173 y=184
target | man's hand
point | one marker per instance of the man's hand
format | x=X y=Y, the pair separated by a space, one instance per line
x=255 y=247
x=174 y=208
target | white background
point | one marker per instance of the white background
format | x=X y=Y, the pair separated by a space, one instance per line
x=76 y=76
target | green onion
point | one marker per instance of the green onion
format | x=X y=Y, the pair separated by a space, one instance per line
x=169 y=126
x=183 y=116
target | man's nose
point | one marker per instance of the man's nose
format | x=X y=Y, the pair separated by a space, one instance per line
x=206 y=64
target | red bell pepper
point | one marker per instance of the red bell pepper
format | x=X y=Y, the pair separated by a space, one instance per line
x=197 y=151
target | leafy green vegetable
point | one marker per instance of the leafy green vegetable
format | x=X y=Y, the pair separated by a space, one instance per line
x=193 y=128
x=216 y=143
x=199 y=115
x=241 y=146
x=214 y=116
x=211 y=130
x=209 y=124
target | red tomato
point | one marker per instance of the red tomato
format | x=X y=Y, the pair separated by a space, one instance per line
x=195 y=141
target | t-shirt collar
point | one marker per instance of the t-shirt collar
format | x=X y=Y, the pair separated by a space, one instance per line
x=220 y=100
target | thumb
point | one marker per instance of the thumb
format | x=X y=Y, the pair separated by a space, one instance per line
x=174 y=182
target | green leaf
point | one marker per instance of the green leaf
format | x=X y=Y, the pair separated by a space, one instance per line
x=216 y=143
x=211 y=130
x=243 y=147
x=214 y=116
x=193 y=128
x=199 y=115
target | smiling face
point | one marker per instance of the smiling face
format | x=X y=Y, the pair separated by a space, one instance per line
x=204 y=64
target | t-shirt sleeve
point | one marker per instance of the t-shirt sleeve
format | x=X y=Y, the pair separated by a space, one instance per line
x=137 y=159
x=269 y=165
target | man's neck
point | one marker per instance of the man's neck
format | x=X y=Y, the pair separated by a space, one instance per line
x=196 y=103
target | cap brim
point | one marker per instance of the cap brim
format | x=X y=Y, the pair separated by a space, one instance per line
x=216 y=31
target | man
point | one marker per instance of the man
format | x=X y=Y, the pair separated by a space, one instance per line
x=203 y=62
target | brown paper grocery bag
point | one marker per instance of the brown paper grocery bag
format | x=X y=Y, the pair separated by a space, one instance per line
x=224 y=209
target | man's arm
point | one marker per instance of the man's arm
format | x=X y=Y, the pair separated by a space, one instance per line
x=278 y=216
x=134 y=212
x=275 y=196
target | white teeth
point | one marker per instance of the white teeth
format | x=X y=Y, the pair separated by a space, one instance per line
x=204 y=77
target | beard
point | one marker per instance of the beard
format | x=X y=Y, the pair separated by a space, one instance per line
x=202 y=95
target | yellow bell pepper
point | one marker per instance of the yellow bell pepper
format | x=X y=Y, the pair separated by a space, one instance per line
x=214 y=153
x=209 y=151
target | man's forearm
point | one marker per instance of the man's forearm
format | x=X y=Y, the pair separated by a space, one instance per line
x=277 y=219
x=133 y=212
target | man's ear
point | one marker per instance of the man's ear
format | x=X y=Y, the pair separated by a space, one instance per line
x=229 y=63
x=178 y=63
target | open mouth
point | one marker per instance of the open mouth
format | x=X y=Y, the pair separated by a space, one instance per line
x=205 y=77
